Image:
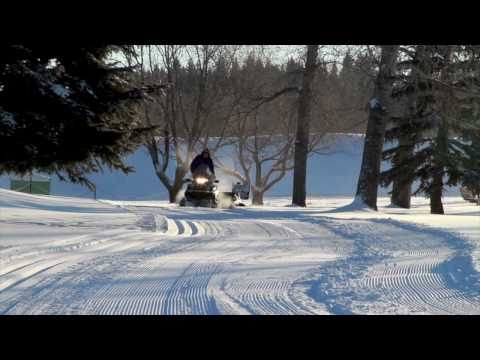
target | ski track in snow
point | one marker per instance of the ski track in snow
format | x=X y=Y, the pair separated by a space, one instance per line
x=423 y=281
x=207 y=261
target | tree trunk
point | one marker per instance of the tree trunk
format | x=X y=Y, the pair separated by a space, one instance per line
x=303 y=129
x=257 y=197
x=172 y=195
x=257 y=191
x=174 y=190
x=441 y=147
x=402 y=186
x=368 y=180
x=436 y=206
x=402 y=194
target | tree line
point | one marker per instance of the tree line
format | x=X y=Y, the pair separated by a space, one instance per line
x=217 y=97
x=74 y=110
x=425 y=105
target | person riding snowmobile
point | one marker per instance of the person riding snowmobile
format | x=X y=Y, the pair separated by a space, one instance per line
x=202 y=160
x=203 y=191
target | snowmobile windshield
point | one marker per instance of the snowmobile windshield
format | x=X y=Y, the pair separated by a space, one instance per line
x=202 y=171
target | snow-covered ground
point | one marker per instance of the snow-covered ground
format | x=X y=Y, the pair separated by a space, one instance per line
x=61 y=255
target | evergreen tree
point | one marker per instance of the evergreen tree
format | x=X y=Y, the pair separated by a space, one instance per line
x=411 y=96
x=347 y=81
x=293 y=72
x=437 y=144
x=347 y=67
x=471 y=163
x=469 y=141
x=334 y=71
x=353 y=86
x=65 y=109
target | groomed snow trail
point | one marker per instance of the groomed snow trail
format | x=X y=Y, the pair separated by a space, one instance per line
x=383 y=277
x=236 y=266
x=100 y=259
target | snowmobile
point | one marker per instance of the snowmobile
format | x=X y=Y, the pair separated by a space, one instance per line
x=203 y=191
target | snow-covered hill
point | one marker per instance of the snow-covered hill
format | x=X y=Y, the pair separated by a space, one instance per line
x=332 y=174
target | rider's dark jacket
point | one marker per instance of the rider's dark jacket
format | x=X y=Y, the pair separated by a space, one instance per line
x=200 y=160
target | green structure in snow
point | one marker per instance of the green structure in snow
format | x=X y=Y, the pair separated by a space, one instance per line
x=35 y=184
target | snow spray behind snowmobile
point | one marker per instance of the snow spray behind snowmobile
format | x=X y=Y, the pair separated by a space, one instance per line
x=203 y=191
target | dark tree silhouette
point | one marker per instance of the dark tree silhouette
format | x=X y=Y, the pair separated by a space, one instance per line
x=372 y=153
x=303 y=128
x=66 y=110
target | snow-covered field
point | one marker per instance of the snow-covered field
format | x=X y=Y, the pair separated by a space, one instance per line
x=332 y=174
x=61 y=255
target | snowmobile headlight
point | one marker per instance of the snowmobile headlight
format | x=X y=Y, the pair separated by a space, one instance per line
x=201 y=180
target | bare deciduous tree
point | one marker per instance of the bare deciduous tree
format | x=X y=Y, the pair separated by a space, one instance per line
x=264 y=153
x=195 y=101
